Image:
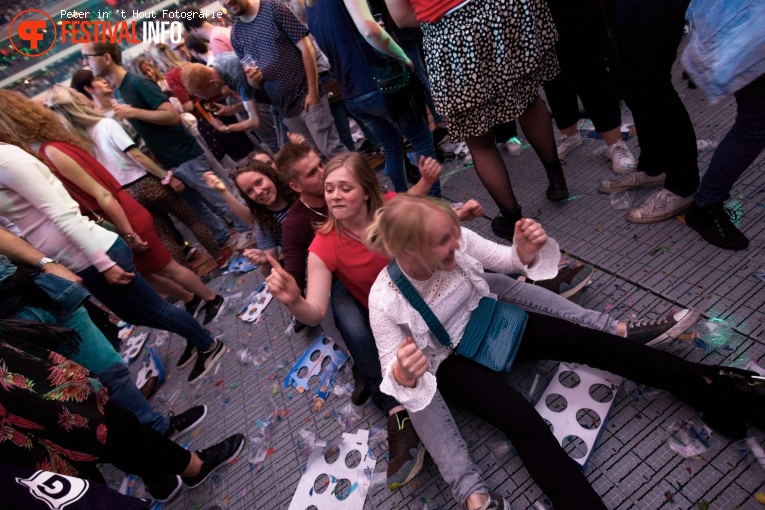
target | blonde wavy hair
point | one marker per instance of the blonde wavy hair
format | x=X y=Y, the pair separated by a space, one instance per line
x=24 y=123
x=76 y=116
x=165 y=57
x=358 y=165
x=403 y=226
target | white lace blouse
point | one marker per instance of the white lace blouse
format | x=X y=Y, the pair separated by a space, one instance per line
x=452 y=296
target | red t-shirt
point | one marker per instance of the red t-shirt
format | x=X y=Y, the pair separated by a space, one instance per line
x=351 y=261
x=430 y=11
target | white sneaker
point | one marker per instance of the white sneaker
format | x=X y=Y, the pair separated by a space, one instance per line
x=567 y=144
x=243 y=240
x=621 y=158
x=660 y=206
x=514 y=147
x=631 y=180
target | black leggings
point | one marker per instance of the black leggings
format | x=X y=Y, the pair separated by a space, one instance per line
x=477 y=389
x=139 y=449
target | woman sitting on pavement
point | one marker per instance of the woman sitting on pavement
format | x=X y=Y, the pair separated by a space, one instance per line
x=443 y=263
x=59 y=418
x=353 y=197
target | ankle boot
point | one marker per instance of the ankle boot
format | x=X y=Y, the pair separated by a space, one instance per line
x=737 y=397
x=504 y=225
x=557 y=190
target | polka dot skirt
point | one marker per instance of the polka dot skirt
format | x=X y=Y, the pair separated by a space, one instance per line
x=487 y=60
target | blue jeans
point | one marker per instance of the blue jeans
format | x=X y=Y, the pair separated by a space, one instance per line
x=191 y=173
x=536 y=299
x=414 y=53
x=340 y=115
x=370 y=109
x=352 y=320
x=740 y=147
x=138 y=303
x=281 y=129
x=201 y=208
x=98 y=355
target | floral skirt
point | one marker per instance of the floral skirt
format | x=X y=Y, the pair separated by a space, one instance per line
x=486 y=62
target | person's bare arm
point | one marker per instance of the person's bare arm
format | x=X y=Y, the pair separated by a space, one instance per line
x=21 y=252
x=311 y=71
x=238 y=208
x=164 y=115
x=402 y=13
x=373 y=33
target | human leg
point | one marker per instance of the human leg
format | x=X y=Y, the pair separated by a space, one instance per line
x=536 y=299
x=419 y=135
x=187 y=279
x=268 y=132
x=202 y=210
x=351 y=319
x=137 y=303
x=492 y=172
x=484 y=393
x=648 y=34
x=320 y=123
x=192 y=173
x=441 y=437
x=370 y=109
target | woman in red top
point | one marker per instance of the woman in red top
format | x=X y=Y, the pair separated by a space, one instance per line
x=99 y=195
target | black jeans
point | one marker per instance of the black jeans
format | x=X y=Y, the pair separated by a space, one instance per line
x=486 y=394
x=139 y=449
x=648 y=34
x=581 y=49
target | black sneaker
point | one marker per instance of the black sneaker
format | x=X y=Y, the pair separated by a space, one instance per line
x=659 y=331
x=215 y=457
x=495 y=502
x=557 y=189
x=188 y=355
x=206 y=360
x=714 y=224
x=569 y=280
x=212 y=308
x=187 y=420
x=192 y=307
x=361 y=392
x=412 y=171
x=164 y=488
x=406 y=452
x=504 y=225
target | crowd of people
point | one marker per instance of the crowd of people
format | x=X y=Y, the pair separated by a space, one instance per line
x=243 y=134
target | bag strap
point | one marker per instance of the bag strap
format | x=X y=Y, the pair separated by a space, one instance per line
x=414 y=298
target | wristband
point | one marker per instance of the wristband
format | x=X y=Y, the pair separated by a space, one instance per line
x=399 y=378
x=167 y=177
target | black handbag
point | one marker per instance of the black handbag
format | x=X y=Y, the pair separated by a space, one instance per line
x=492 y=335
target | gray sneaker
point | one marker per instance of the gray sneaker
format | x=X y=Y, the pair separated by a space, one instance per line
x=631 y=180
x=660 y=206
x=568 y=144
x=660 y=331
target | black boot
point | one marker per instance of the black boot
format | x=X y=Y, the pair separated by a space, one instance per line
x=737 y=397
x=504 y=225
x=557 y=190
x=714 y=224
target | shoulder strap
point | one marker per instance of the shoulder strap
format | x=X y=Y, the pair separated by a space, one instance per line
x=414 y=298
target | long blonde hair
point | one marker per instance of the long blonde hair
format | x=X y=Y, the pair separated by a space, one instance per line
x=358 y=165
x=77 y=117
x=403 y=226
x=165 y=57
x=24 y=123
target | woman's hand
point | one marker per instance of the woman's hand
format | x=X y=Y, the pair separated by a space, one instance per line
x=62 y=272
x=214 y=182
x=430 y=169
x=528 y=239
x=470 y=210
x=255 y=256
x=137 y=244
x=176 y=184
x=118 y=276
x=281 y=284
x=295 y=138
x=411 y=363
